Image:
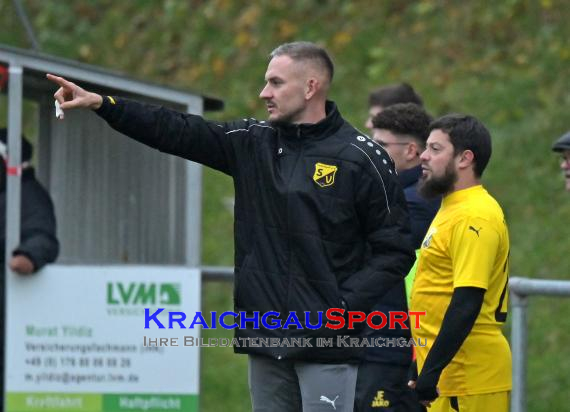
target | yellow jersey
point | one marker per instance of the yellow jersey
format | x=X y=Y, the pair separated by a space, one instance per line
x=466 y=245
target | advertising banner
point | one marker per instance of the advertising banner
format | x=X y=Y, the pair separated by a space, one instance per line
x=76 y=340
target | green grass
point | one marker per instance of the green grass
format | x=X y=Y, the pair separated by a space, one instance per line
x=548 y=354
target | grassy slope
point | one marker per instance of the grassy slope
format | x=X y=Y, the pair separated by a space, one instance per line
x=506 y=62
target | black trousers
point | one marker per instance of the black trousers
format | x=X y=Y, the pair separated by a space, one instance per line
x=382 y=387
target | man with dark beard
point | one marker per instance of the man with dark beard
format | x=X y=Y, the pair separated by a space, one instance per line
x=320 y=221
x=462 y=276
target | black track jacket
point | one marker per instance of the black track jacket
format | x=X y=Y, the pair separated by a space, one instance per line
x=38 y=239
x=319 y=217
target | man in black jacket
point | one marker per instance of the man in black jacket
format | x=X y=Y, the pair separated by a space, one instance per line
x=313 y=196
x=38 y=243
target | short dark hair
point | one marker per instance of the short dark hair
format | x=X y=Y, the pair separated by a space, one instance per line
x=304 y=50
x=466 y=133
x=404 y=118
x=392 y=94
x=27 y=149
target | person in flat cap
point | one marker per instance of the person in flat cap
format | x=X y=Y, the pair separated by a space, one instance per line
x=562 y=146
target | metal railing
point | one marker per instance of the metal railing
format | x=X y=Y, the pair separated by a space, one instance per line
x=520 y=290
x=217 y=273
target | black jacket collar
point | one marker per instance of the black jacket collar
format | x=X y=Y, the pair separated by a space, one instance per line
x=326 y=127
x=409 y=177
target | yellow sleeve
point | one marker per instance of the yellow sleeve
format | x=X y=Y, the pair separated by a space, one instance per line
x=473 y=248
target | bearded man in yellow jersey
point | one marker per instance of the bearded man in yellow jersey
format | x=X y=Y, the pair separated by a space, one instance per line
x=462 y=276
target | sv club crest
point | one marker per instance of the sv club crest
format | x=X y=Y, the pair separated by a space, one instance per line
x=324 y=174
x=427 y=239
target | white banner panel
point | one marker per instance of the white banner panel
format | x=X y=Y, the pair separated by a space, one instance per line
x=75 y=339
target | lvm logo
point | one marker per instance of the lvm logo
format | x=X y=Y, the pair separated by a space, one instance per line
x=130 y=298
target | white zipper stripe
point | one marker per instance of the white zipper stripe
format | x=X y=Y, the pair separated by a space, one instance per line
x=245 y=130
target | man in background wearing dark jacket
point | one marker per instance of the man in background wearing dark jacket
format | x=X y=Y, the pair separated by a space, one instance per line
x=402 y=129
x=313 y=197
x=38 y=243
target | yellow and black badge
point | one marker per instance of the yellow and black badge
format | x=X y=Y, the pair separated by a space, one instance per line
x=379 y=401
x=324 y=174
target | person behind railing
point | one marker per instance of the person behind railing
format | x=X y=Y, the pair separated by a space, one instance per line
x=38 y=242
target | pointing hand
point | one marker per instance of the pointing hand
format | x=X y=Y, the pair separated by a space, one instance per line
x=71 y=96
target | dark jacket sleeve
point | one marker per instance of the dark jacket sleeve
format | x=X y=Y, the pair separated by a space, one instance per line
x=38 y=239
x=422 y=212
x=181 y=134
x=384 y=218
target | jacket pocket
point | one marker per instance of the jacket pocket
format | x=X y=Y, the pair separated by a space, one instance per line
x=240 y=275
x=312 y=295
